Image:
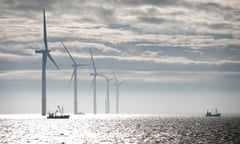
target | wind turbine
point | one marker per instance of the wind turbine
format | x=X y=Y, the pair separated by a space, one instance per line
x=107 y=104
x=45 y=54
x=74 y=74
x=95 y=74
x=117 y=84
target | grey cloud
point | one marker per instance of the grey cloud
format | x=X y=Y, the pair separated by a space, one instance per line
x=154 y=20
x=107 y=31
x=227 y=12
x=127 y=27
x=28 y=5
x=211 y=6
x=148 y=2
x=220 y=26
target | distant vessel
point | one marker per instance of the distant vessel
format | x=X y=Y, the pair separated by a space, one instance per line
x=58 y=114
x=210 y=114
x=80 y=113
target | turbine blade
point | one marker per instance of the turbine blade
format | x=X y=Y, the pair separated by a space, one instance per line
x=45 y=30
x=121 y=82
x=52 y=60
x=71 y=79
x=115 y=78
x=68 y=53
x=101 y=74
x=93 y=62
x=93 y=82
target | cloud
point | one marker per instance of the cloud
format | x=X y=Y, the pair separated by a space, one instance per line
x=128 y=76
x=149 y=2
x=91 y=45
x=128 y=33
x=35 y=75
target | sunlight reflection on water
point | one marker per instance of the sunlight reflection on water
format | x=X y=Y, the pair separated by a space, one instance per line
x=118 y=129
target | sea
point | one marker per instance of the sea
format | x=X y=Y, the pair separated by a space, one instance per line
x=100 y=128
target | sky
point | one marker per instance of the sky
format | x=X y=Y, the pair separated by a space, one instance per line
x=175 y=56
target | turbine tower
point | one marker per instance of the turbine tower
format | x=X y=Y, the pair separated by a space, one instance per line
x=74 y=74
x=93 y=85
x=107 y=103
x=117 y=84
x=45 y=54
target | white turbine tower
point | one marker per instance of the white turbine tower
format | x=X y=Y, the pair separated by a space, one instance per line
x=107 y=103
x=74 y=74
x=117 y=84
x=95 y=74
x=45 y=54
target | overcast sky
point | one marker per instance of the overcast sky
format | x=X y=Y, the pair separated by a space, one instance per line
x=177 y=56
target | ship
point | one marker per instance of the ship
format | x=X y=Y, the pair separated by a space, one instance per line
x=210 y=114
x=58 y=114
x=80 y=113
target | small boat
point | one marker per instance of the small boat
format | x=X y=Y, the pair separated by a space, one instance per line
x=58 y=114
x=80 y=113
x=210 y=114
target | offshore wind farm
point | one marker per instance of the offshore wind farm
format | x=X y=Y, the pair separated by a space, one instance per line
x=119 y=71
x=75 y=65
x=160 y=63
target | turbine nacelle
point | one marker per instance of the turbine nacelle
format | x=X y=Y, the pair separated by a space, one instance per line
x=106 y=78
x=119 y=83
x=42 y=51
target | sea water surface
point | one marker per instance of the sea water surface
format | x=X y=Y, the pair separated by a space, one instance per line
x=119 y=129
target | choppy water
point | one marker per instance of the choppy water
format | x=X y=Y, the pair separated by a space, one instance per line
x=120 y=129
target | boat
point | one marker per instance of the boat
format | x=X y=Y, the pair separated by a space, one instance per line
x=210 y=114
x=58 y=114
x=80 y=113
